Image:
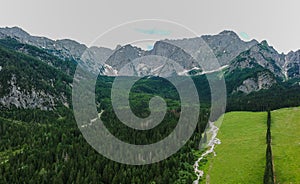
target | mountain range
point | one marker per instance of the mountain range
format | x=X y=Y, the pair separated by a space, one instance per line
x=37 y=72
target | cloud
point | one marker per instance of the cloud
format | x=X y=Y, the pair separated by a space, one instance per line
x=244 y=36
x=153 y=31
x=149 y=47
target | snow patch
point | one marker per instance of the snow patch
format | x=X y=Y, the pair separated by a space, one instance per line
x=216 y=70
x=109 y=70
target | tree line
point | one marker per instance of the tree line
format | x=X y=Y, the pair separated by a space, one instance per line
x=269 y=177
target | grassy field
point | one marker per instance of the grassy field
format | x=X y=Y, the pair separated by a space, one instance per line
x=241 y=156
x=286 y=145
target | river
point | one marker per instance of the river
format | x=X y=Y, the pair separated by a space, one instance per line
x=211 y=132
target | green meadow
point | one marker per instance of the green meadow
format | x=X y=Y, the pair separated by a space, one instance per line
x=241 y=155
x=286 y=145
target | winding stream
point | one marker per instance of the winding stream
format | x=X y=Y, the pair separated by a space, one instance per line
x=212 y=142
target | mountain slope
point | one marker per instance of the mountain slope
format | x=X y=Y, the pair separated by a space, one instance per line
x=27 y=82
x=256 y=71
x=226 y=46
x=66 y=66
x=64 y=49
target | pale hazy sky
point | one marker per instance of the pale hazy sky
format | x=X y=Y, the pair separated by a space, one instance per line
x=277 y=21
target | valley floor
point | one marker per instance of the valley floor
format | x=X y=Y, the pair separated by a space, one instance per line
x=286 y=145
x=241 y=157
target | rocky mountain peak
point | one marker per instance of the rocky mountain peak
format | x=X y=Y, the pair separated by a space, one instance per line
x=293 y=53
x=14 y=32
x=124 y=55
x=172 y=50
x=227 y=45
x=228 y=33
x=264 y=43
x=261 y=54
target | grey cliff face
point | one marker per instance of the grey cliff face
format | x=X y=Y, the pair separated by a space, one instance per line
x=27 y=99
x=174 y=53
x=94 y=59
x=292 y=64
x=124 y=55
x=263 y=80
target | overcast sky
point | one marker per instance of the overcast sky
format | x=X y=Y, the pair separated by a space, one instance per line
x=277 y=21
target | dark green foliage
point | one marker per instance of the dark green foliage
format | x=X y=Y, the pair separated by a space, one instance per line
x=47 y=147
x=32 y=74
x=54 y=151
x=269 y=137
x=66 y=66
x=278 y=96
x=269 y=170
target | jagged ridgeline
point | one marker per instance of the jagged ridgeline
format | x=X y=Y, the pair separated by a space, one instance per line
x=252 y=70
x=41 y=142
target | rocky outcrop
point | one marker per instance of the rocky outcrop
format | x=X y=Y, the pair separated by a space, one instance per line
x=264 y=80
x=292 y=64
x=33 y=99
